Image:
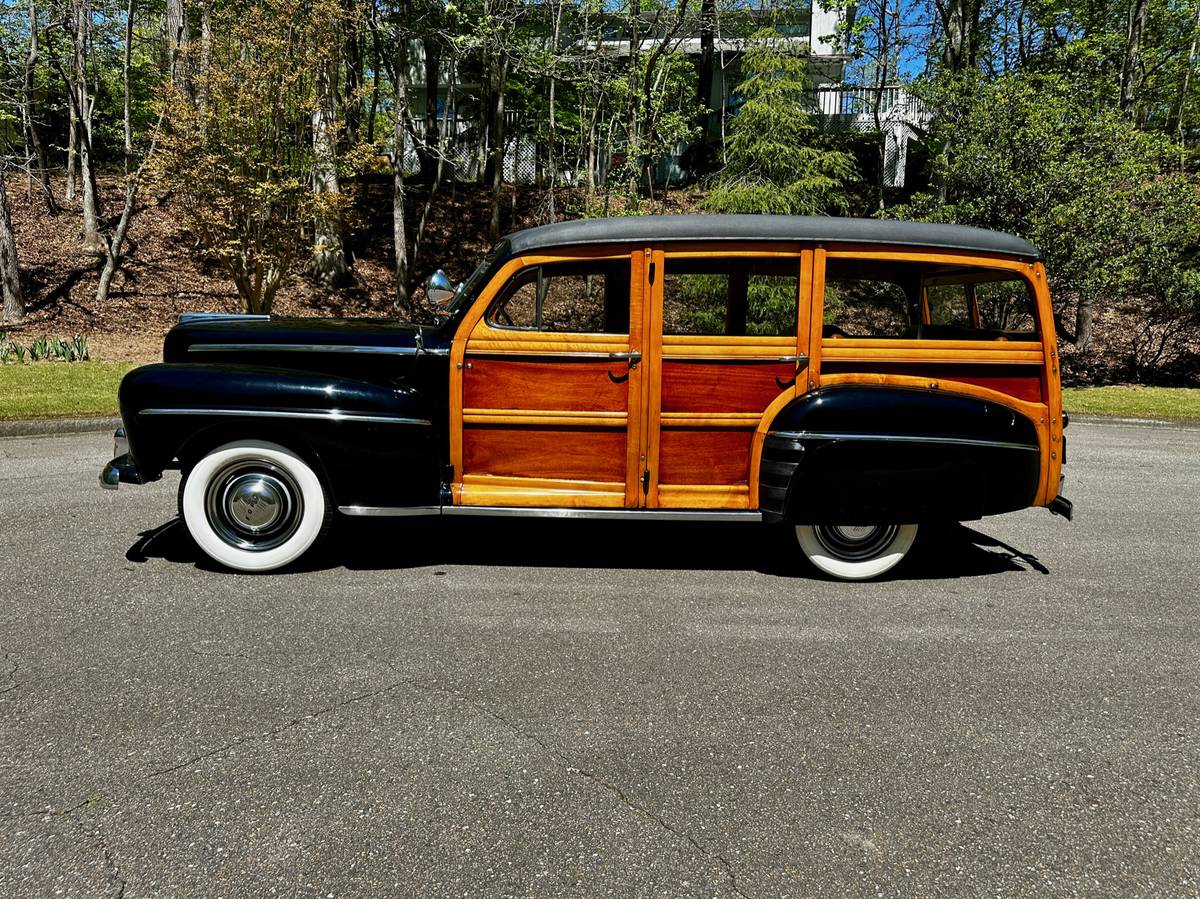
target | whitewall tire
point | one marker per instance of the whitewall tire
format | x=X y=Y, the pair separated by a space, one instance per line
x=253 y=505
x=855 y=552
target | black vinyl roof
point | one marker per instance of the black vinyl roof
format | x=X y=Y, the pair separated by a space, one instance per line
x=793 y=228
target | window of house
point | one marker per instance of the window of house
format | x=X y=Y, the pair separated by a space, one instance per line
x=913 y=300
x=586 y=297
x=733 y=297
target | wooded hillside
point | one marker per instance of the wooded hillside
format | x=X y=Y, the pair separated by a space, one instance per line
x=323 y=156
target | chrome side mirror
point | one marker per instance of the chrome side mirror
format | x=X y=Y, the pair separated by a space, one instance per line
x=439 y=291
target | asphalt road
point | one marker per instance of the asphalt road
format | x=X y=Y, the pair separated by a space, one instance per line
x=539 y=708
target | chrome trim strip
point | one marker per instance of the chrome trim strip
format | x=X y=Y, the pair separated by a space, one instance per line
x=554 y=512
x=333 y=415
x=186 y=318
x=655 y=514
x=900 y=438
x=305 y=348
x=389 y=511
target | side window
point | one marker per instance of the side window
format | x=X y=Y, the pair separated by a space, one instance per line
x=865 y=298
x=1007 y=306
x=731 y=297
x=913 y=300
x=948 y=304
x=975 y=303
x=586 y=297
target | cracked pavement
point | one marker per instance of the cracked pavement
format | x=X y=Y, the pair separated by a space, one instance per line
x=601 y=708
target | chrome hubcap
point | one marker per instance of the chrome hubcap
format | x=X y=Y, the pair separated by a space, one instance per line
x=253 y=505
x=854 y=543
x=255 y=502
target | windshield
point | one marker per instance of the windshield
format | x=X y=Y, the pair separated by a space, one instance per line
x=474 y=284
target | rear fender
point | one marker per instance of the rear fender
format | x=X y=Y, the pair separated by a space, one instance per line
x=885 y=455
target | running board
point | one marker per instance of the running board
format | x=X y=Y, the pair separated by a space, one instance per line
x=556 y=512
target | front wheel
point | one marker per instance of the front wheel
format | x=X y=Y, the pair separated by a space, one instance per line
x=253 y=505
x=855 y=552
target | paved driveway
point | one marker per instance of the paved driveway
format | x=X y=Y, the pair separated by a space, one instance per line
x=539 y=708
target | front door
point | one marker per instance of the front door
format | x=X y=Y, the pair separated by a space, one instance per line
x=547 y=376
x=728 y=335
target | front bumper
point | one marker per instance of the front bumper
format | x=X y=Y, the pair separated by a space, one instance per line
x=122 y=469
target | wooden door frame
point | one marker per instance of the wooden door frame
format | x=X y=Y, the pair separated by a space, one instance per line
x=717 y=346
x=474 y=329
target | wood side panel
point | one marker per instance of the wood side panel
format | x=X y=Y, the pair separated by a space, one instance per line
x=651 y=444
x=635 y=431
x=483 y=490
x=705 y=496
x=555 y=453
x=1051 y=455
x=704 y=456
x=498 y=383
x=1021 y=381
x=743 y=387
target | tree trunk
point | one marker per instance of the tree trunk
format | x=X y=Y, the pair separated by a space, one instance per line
x=205 y=62
x=1181 y=106
x=1131 y=68
x=352 y=105
x=329 y=257
x=29 y=113
x=92 y=242
x=433 y=63
x=496 y=134
x=960 y=24
x=552 y=144
x=72 y=143
x=113 y=250
x=126 y=63
x=12 y=302
x=178 y=40
x=376 y=68
x=399 y=237
x=704 y=83
x=1083 y=323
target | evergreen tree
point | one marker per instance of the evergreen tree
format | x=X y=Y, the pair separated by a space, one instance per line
x=773 y=163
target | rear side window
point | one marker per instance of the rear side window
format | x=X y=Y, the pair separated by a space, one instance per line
x=913 y=300
x=586 y=297
x=731 y=297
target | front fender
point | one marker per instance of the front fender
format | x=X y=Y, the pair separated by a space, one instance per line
x=374 y=443
x=885 y=455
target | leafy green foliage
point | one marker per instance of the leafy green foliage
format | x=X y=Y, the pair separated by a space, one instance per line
x=773 y=163
x=1106 y=202
x=42 y=349
x=242 y=163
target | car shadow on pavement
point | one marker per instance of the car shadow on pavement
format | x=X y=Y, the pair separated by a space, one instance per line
x=941 y=552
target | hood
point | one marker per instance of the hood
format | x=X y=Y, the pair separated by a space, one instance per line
x=284 y=341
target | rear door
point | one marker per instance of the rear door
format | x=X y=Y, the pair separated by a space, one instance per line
x=728 y=333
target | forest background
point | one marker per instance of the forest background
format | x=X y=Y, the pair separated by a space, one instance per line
x=281 y=155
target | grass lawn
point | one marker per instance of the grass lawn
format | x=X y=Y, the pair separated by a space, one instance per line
x=60 y=389
x=1134 y=402
x=85 y=389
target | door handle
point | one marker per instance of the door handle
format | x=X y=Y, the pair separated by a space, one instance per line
x=633 y=357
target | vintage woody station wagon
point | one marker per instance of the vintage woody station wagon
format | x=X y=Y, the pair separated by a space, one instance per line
x=850 y=378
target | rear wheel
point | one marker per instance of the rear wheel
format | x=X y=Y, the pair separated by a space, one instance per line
x=855 y=552
x=253 y=505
